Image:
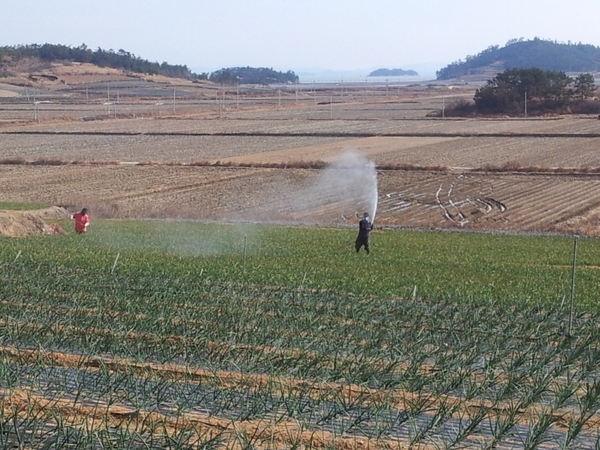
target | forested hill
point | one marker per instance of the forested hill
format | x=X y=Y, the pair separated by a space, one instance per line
x=393 y=73
x=82 y=54
x=252 y=75
x=124 y=60
x=539 y=53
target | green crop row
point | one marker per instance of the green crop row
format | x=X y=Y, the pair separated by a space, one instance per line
x=432 y=333
x=440 y=265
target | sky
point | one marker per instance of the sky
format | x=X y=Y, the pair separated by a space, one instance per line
x=305 y=36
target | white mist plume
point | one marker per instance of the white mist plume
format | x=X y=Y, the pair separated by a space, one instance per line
x=182 y=238
x=349 y=184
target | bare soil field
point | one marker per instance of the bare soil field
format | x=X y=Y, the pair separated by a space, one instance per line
x=510 y=202
x=27 y=223
x=261 y=156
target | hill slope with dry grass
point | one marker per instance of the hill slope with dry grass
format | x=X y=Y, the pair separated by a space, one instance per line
x=38 y=74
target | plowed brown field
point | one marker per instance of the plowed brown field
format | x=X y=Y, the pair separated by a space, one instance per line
x=248 y=165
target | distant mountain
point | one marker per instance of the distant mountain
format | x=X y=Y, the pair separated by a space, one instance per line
x=521 y=54
x=393 y=73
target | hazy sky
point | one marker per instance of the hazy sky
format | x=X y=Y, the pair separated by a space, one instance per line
x=298 y=35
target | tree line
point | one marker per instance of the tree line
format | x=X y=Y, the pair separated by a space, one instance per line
x=125 y=60
x=252 y=75
x=533 y=91
x=393 y=73
x=120 y=59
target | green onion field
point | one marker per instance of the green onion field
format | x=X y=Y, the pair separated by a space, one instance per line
x=166 y=334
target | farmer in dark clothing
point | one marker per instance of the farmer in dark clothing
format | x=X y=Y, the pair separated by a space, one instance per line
x=364 y=228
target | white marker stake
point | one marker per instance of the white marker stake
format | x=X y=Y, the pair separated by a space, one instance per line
x=245 y=242
x=115 y=263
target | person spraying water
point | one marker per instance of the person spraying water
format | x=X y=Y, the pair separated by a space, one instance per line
x=365 y=226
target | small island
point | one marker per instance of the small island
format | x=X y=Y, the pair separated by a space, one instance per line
x=393 y=73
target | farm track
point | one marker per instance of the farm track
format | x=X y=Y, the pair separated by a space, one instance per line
x=330 y=134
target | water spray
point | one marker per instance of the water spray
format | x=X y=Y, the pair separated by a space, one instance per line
x=373 y=196
x=349 y=181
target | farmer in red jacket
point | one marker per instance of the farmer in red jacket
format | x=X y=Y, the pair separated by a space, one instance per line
x=82 y=221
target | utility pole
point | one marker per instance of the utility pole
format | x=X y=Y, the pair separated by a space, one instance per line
x=525 y=103
x=575 y=238
x=443 y=106
x=219 y=103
